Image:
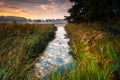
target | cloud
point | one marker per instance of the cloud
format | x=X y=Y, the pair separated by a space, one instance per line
x=65 y=6
x=35 y=8
x=58 y=1
x=48 y=7
x=26 y=1
x=55 y=5
x=1 y=3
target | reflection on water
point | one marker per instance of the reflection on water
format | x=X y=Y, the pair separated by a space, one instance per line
x=56 y=56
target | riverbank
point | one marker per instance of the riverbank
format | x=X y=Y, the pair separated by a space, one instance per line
x=96 y=49
x=20 y=45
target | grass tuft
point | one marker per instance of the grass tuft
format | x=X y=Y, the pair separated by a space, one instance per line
x=20 y=45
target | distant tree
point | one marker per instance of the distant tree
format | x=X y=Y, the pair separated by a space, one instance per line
x=94 y=10
x=76 y=12
x=14 y=21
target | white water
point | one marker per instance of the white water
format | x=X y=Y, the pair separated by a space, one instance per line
x=56 y=55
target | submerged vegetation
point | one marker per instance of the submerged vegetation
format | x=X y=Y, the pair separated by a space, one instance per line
x=96 y=52
x=20 y=45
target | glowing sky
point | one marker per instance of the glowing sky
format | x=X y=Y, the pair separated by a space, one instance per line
x=35 y=9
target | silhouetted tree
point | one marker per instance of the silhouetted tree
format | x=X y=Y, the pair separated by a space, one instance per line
x=94 y=10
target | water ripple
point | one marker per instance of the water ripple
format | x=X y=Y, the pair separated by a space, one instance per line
x=56 y=55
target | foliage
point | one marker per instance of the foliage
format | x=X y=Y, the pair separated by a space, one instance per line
x=94 y=10
x=95 y=51
x=20 y=45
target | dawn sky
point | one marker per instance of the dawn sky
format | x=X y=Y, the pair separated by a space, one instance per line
x=35 y=9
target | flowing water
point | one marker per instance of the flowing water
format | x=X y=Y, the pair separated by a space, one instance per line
x=56 y=55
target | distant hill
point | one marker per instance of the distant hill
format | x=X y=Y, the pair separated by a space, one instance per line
x=12 y=19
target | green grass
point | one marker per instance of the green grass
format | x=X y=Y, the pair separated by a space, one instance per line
x=20 y=47
x=96 y=53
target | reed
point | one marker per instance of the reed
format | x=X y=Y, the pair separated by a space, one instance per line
x=20 y=45
x=96 y=53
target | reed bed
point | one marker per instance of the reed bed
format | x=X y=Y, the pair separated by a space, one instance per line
x=96 y=52
x=20 y=47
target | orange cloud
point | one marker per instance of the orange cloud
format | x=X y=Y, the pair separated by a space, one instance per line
x=1 y=4
x=48 y=7
x=30 y=9
x=66 y=6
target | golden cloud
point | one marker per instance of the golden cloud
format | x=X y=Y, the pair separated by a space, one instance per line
x=49 y=9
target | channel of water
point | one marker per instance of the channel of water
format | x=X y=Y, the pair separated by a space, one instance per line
x=56 y=56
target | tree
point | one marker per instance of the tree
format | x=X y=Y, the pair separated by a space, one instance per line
x=94 y=10
x=76 y=12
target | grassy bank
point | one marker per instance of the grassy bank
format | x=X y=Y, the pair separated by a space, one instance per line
x=20 y=45
x=96 y=51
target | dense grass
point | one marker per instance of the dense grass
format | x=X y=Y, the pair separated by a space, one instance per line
x=96 y=52
x=20 y=45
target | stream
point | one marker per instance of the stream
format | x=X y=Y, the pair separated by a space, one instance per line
x=56 y=56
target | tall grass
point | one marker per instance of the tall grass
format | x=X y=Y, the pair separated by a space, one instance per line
x=20 y=45
x=96 y=53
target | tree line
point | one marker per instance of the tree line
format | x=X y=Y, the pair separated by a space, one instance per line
x=94 y=10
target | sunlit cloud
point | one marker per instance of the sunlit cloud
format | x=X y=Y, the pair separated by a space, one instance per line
x=35 y=9
x=1 y=3
x=48 y=7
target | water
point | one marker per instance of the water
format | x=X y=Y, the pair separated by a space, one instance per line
x=56 y=55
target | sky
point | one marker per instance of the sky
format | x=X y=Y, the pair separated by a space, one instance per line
x=35 y=9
